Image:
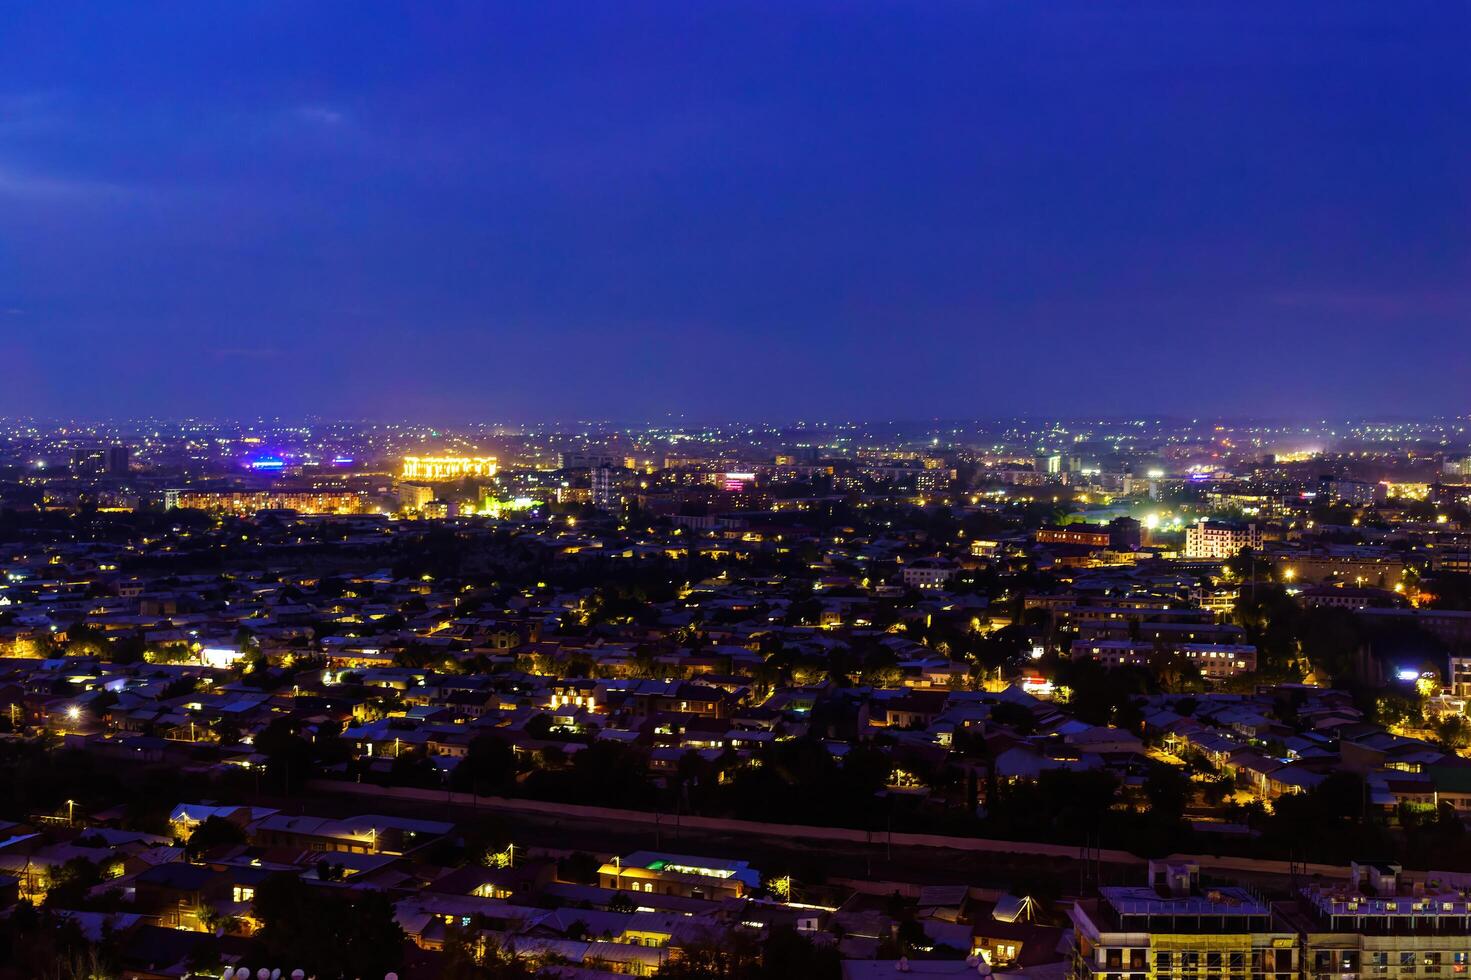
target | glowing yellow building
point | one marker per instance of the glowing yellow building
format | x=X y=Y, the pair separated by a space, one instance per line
x=433 y=468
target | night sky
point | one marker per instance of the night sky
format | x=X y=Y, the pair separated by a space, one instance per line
x=775 y=210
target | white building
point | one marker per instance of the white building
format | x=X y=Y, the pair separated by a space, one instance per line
x=929 y=573
x=1459 y=676
x=1215 y=539
x=607 y=488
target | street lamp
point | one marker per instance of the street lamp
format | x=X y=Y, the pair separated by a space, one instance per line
x=71 y=812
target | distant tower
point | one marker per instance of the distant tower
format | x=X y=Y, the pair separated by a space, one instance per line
x=117 y=459
x=606 y=487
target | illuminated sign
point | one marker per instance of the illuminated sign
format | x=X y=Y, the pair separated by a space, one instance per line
x=1039 y=686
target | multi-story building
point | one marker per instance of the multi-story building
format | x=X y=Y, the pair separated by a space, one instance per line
x=117 y=460
x=1216 y=661
x=929 y=573
x=1355 y=493
x=1220 y=540
x=607 y=487
x=1349 y=597
x=932 y=480
x=1450 y=626
x=1125 y=534
x=1458 y=468
x=985 y=548
x=677 y=874
x=1360 y=565
x=1219 y=601
x=1017 y=477
x=413 y=497
x=1173 y=928
x=1094 y=535
x=1169 y=633
x=440 y=468
x=588 y=460
x=1382 y=923
x=245 y=503
x=109 y=460
x=1458 y=676
x=1379 y=922
x=90 y=460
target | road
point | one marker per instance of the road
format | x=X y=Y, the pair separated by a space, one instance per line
x=833 y=852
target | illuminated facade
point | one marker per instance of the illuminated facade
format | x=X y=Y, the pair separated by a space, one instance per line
x=435 y=468
x=1218 y=540
x=247 y=502
x=737 y=482
x=413 y=497
x=1171 y=929
x=672 y=874
x=1217 y=661
x=1092 y=535
x=493 y=506
x=1381 y=924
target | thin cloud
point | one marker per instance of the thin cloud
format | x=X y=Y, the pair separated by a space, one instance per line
x=26 y=114
x=246 y=353
x=321 y=115
x=1373 y=303
x=49 y=188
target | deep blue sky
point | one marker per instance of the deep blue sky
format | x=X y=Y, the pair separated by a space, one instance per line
x=757 y=210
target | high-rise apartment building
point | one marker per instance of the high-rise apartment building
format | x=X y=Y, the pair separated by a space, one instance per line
x=116 y=460
x=607 y=487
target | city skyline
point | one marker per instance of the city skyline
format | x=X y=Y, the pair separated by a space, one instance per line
x=764 y=212
x=735 y=702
